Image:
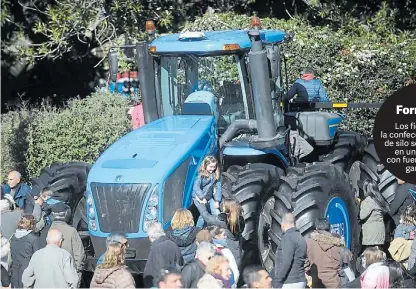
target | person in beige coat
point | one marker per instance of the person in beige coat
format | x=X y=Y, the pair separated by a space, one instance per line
x=112 y=273
x=372 y=211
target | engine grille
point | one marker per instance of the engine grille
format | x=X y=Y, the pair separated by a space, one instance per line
x=119 y=206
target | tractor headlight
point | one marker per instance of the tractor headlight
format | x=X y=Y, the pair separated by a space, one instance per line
x=153 y=200
x=91 y=213
x=92 y=225
x=89 y=200
x=152 y=210
x=151 y=213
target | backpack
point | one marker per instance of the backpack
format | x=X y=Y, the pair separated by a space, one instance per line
x=346 y=274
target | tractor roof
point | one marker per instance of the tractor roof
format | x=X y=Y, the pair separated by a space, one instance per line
x=211 y=42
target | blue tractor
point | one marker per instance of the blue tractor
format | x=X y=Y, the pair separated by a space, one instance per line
x=148 y=174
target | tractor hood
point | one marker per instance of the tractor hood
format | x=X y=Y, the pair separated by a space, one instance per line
x=150 y=153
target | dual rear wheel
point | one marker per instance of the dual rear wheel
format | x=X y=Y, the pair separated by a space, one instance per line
x=309 y=191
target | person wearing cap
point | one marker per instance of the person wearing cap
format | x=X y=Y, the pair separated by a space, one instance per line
x=307 y=88
x=17 y=189
x=61 y=214
x=114 y=238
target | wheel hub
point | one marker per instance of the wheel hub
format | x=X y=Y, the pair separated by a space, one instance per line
x=338 y=217
x=264 y=240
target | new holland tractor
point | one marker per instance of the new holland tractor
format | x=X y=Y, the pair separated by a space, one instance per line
x=148 y=174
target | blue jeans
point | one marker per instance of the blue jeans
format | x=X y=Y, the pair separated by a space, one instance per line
x=211 y=208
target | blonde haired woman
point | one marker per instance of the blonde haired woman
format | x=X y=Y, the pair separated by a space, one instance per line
x=112 y=273
x=184 y=233
x=232 y=221
x=218 y=274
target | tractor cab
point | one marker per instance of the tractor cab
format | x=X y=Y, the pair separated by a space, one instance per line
x=204 y=73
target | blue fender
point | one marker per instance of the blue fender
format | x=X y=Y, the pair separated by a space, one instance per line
x=248 y=151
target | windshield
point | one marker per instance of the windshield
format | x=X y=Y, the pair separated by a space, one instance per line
x=219 y=74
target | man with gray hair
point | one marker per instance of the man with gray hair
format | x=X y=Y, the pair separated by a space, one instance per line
x=163 y=253
x=52 y=266
x=195 y=269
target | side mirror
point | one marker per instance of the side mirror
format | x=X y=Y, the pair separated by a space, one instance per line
x=128 y=51
x=113 y=61
x=289 y=36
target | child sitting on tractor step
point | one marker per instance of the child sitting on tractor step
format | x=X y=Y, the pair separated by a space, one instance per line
x=207 y=187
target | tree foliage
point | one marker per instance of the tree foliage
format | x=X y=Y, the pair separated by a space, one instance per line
x=34 y=138
x=357 y=63
x=402 y=13
x=55 y=28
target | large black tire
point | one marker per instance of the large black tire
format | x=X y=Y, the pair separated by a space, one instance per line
x=306 y=191
x=372 y=168
x=68 y=183
x=347 y=148
x=253 y=186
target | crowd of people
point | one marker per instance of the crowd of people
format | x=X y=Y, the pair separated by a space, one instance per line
x=208 y=253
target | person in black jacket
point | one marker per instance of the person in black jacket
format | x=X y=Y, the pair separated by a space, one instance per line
x=232 y=221
x=23 y=245
x=402 y=199
x=291 y=256
x=163 y=254
x=195 y=269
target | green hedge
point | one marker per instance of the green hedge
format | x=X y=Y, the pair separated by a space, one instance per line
x=84 y=128
x=356 y=63
x=14 y=126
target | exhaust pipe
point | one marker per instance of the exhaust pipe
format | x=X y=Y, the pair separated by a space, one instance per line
x=261 y=87
x=113 y=62
x=144 y=62
x=234 y=127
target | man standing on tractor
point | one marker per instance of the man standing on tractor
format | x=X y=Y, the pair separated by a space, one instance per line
x=307 y=88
